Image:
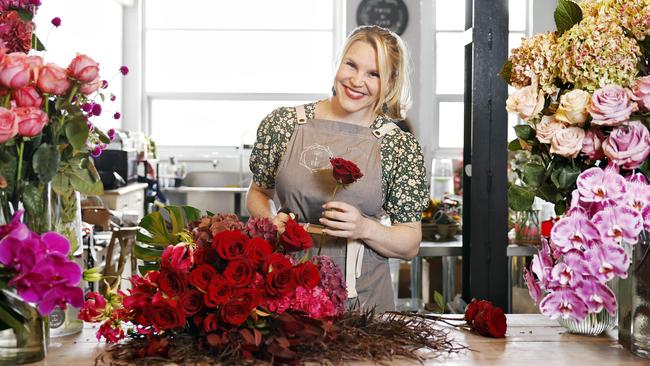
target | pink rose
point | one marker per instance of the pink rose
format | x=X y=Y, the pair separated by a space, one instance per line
x=31 y=120
x=592 y=144
x=53 y=80
x=641 y=91
x=611 y=105
x=91 y=87
x=546 y=128
x=34 y=63
x=525 y=102
x=83 y=68
x=14 y=71
x=628 y=145
x=567 y=142
x=573 y=107
x=8 y=125
x=27 y=96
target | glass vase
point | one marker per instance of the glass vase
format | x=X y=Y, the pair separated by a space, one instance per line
x=634 y=300
x=22 y=341
x=592 y=325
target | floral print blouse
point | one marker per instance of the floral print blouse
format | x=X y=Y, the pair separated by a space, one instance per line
x=403 y=174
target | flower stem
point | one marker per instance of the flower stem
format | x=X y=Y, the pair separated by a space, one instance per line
x=7 y=101
x=322 y=236
x=73 y=92
x=21 y=150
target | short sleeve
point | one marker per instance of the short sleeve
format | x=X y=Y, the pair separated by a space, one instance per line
x=407 y=194
x=273 y=134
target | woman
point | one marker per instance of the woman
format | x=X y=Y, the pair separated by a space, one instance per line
x=291 y=158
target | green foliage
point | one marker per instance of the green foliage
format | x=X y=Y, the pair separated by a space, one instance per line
x=520 y=198
x=33 y=200
x=565 y=176
x=515 y=145
x=534 y=174
x=566 y=15
x=525 y=132
x=77 y=132
x=506 y=71
x=46 y=162
x=158 y=231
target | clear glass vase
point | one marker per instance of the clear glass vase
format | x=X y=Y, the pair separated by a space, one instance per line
x=22 y=334
x=592 y=325
x=634 y=300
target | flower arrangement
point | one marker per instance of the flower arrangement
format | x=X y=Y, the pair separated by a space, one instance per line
x=571 y=271
x=583 y=93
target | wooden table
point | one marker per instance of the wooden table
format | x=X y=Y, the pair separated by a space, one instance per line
x=531 y=340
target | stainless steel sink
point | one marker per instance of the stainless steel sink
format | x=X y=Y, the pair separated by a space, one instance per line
x=206 y=178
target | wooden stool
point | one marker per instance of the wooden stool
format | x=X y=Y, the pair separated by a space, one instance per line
x=125 y=236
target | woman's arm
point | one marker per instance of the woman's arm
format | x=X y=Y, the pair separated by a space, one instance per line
x=259 y=202
x=401 y=240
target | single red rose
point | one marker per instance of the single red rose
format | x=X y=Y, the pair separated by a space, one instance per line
x=294 y=237
x=345 y=171
x=547 y=226
x=201 y=276
x=235 y=312
x=192 y=302
x=275 y=261
x=230 y=244
x=240 y=272
x=306 y=275
x=250 y=296
x=279 y=282
x=171 y=282
x=218 y=292
x=210 y=323
x=491 y=322
x=475 y=307
x=258 y=249
x=205 y=255
x=167 y=315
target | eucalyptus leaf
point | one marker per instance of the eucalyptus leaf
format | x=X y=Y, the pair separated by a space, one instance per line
x=33 y=200
x=534 y=174
x=566 y=15
x=46 y=162
x=520 y=198
x=76 y=131
x=525 y=132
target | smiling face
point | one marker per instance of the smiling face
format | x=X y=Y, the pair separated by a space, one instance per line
x=357 y=80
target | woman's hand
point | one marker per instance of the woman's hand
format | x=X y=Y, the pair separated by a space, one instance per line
x=280 y=220
x=343 y=220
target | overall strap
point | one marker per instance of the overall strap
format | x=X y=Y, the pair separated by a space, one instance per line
x=301 y=116
x=383 y=130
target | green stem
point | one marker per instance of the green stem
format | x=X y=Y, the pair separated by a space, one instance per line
x=322 y=236
x=7 y=101
x=19 y=170
x=73 y=92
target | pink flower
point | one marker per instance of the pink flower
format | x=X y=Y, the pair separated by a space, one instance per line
x=94 y=308
x=546 y=128
x=567 y=142
x=611 y=106
x=53 y=80
x=14 y=71
x=8 y=125
x=596 y=296
x=27 y=96
x=641 y=91
x=31 y=120
x=598 y=185
x=543 y=263
x=178 y=257
x=59 y=296
x=564 y=276
x=592 y=144
x=564 y=303
x=84 y=69
x=533 y=287
x=574 y=232
x=617 y=224
x=638 y=192
x=90 y=87
x=526 y=102
x=628 y=145
x=124 y=70
x=56 y=21
x=607 y=260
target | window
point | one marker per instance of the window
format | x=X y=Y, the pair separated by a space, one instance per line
x=219 y=67
x=449 y=69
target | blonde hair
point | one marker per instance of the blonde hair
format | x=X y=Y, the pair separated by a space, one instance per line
x=392 y=57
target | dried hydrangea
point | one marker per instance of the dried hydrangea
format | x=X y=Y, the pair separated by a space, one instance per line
x=207 y=227
x=595 y=53
x=633 y=15
x=261 y=227
x=534 y=59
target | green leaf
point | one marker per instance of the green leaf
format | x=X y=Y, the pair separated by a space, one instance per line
x=515 y=145
x=147 y=268
x=506 y=71
x=520 y=198
x=146 y=252
x=525 y=132
x=439 y=301
x=9 y=172
x=565 y=176
x=25 y=15
x=157 y=231
x=39 y=46
x=102 y=136
x=33 y=200
x=61 y=184
x=103 y=98
x=560 y=207
x=645 y=167
x=83 y=182
x=534 y=174
x=76 y=131
x=46 y=162
x=549 y=193
x=567 y=14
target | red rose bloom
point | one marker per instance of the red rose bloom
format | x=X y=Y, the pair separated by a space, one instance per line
x=258 y=249
x=240 y=272
x=491 y=322
x=345 y=171
x=295 y=238
x=547 y=226
x=474 y=308
x=218 y=292
x=306 y=275
x=230 y=244
x=167 y=315
x=192 y=302
x=210 y=323
x=279 y=282
x=171 y=282
x=201 y=276
x=235 y=312
x=205 y=255
x=274 y=262
x=250 y=296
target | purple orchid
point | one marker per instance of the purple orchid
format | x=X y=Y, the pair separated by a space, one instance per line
x=606 y=261
x=646 y=218
x=59 y=296
x=618 y=224
x=533 y=287
x=564 y=276
x=596 y=296
x=574 y=231
x=638 y=192
x=598 y=185
x=543 y=263
x=564 y=303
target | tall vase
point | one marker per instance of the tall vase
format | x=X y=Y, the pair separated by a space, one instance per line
x=22 y=341
x=634 y=300
x=66 y=220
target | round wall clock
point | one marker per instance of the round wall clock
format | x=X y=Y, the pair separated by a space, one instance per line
x=391 y=14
